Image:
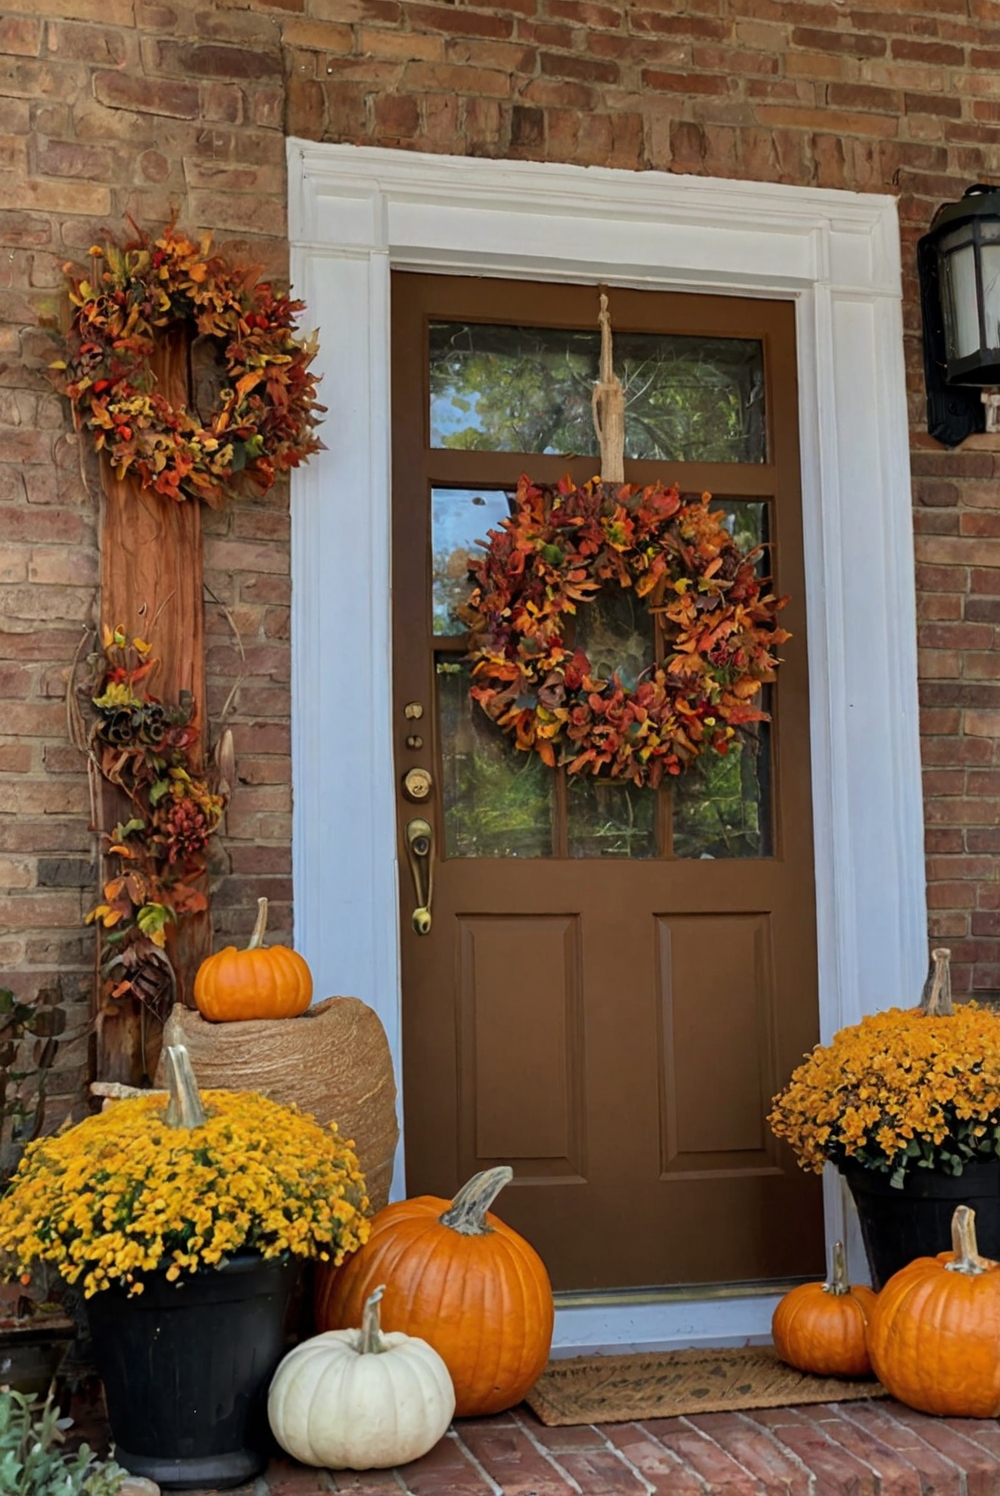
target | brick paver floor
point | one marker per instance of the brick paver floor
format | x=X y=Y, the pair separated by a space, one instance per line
x=847 y=1449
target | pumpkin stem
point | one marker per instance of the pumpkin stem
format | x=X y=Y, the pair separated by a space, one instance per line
x=838 y=1284
x=184 y=1109
x=467 y=1212
x=965 y=1246
x=257 y=938
x=936 y=997
x=371 y=1328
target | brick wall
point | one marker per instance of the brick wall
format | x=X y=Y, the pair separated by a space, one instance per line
x=144 y=107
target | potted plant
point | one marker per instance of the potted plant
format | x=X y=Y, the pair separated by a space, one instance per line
x=185 y=1224
x=33 y=1461
x=906 y=1104
x=34 y=1330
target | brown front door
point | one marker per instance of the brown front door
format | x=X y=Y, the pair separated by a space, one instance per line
x=615 y=981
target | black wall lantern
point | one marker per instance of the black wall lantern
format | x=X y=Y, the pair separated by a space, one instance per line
x=959 y=266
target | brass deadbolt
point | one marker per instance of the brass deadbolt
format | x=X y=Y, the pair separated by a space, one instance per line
x=417 y=784
x=413 y=711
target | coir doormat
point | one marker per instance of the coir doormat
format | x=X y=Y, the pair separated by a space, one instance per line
x=618 y=1389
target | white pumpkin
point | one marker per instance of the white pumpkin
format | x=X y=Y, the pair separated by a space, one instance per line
x=360 y=1399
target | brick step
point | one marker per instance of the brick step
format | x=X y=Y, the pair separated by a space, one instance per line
x=846 y=1449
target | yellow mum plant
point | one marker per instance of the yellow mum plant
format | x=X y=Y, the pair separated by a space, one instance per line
x=906 y=1088
x=129 y=1191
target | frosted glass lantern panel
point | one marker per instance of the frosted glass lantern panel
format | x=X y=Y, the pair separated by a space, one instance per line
x=961 y=303
x=991 y=292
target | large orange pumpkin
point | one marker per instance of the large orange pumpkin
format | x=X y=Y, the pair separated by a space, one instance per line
x=460 y=1279
x=264 y=981
x=935 y=1329
x=820 y=1327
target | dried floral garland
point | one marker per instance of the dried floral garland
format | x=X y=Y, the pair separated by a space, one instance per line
x=147 y=748
x=717 y=616
x=265 y=418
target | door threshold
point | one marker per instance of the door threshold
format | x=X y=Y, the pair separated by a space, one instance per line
x=586 y=1298
x=663 y=1319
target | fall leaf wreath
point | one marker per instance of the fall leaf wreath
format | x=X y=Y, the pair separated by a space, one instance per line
x=266 y=413
x=717 y=617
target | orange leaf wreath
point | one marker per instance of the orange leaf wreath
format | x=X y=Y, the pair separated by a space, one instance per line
x=265 y=417
x=718 y=624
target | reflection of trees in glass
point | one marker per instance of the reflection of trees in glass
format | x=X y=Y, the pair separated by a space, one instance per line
x=497 y=801
x=616 y=632
x=461 y=518
x=516 y=389
x=722 y=804
x=451 y=589
x=746 y=520
x=607 y=819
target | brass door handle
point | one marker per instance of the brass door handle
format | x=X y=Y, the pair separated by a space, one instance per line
x=420 y=855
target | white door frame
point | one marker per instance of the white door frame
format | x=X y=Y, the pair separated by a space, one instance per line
x=355 y=213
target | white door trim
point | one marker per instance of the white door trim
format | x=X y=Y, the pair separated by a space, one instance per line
x=354 y=213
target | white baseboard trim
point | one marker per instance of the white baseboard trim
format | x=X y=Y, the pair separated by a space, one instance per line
x=620 y=1328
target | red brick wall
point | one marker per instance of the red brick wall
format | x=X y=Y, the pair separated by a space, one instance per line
x=110 y=107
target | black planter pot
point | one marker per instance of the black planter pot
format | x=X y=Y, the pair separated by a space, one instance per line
x=186 y=1368
x=915 y=1221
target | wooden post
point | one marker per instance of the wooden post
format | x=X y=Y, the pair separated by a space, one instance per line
x=151 y=586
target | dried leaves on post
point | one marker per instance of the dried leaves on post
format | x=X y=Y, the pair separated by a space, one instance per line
x=146 y=748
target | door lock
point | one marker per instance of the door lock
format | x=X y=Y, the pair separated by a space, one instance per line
x=417 y=784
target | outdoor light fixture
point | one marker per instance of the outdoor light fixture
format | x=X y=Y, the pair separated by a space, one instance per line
x=959 y=265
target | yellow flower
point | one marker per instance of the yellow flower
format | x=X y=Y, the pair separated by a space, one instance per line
x=899 y=1086
x=122 y=1193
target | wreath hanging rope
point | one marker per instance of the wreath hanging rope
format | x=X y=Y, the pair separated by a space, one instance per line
x=265 y=417
x=560 y=547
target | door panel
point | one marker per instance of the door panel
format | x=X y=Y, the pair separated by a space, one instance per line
x=615 y=980
x=711 y=963
x=530 y=1048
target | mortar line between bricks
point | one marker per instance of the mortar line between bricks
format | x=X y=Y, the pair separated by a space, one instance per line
x=624 y=1460
x=678 y=1460
x=963 y=1475
x=834 y=1408
x=476 y=1464
x=709 y=1440
x=789 y=1454
x=546 y=1454
x=906 y=1428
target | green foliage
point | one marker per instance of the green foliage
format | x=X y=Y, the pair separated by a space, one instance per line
x=503 y=389
x=29 y=1042
x=33 y=1462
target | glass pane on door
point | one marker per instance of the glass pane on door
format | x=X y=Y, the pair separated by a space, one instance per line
x=607 y=818
x=498 y=802
x=722 y=805
x=528 y=389
x=460 y=519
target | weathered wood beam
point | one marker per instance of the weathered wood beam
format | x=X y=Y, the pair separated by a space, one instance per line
x=151 y=585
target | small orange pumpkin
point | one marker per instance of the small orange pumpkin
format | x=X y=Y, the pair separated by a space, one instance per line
x=260 y=982
x=820 y=1327
x=460 y=1279
x=935 y=1329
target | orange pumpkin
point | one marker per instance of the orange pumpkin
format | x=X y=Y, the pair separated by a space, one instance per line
x=820 y=1327
x=935 y=1329
x=460 y=1279
x=260 y=982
